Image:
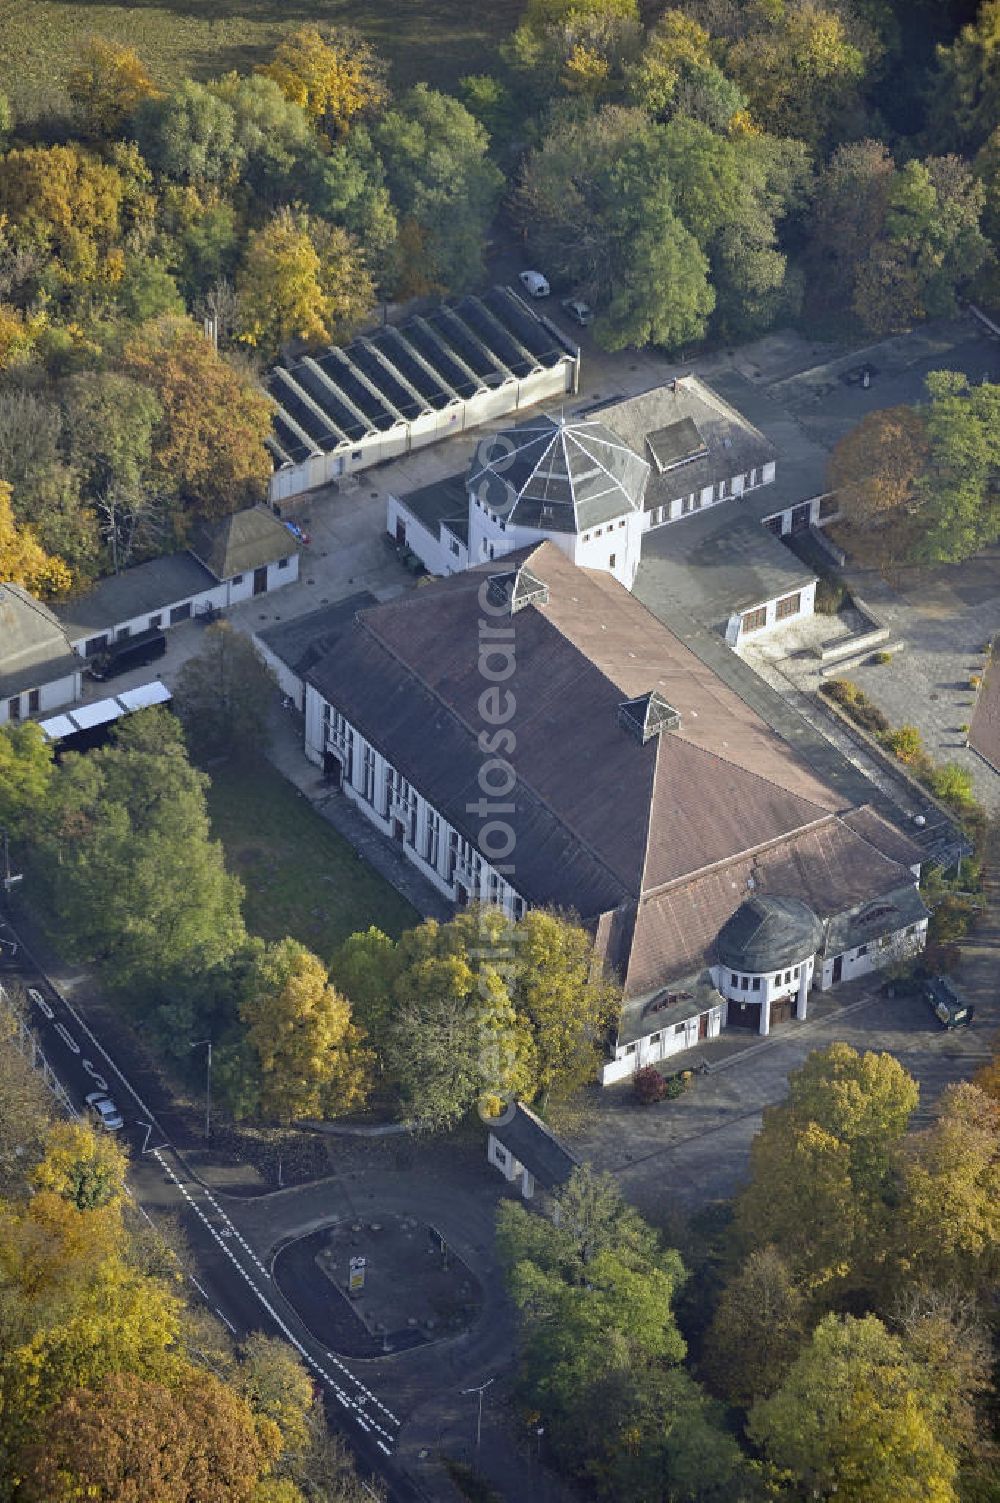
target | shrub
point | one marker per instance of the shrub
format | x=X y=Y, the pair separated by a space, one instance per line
x=842 y=691
x=649 y=1085
x=675 y=1085
x=952 y=784
x=906 y=743
x=880 y=657
x=975 y=681
x=963 y=729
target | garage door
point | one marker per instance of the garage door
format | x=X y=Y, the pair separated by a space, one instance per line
x=744 y=1015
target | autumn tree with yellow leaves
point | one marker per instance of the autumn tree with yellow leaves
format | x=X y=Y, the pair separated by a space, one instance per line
x=302 y=280
x=106 y=86
x=334 y=78
x=311 y=1056
x=23 y=560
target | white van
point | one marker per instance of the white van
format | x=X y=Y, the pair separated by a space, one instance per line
x=534 y=283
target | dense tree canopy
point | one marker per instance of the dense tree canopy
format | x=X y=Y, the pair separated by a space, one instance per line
x=310 y=1056
x=209 y=443
x=224 y=693
x=852 y=1420
x=123 y=853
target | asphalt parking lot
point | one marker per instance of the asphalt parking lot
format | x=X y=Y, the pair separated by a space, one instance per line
x=683 y=1154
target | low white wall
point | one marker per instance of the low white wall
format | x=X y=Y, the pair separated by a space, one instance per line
x=874 y=956
x=51 y=696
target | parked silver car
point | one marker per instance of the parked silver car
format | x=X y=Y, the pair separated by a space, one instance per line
x=105 y=1110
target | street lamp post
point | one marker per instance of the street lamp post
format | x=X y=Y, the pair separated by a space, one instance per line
x=479 y=1420
x=200 y=1044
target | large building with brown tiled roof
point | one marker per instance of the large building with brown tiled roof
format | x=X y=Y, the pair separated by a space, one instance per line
x=537 y=737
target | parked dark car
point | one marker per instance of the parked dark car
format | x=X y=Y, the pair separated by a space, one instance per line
x=950 y=1009
x=128 y=652
x=940 y=994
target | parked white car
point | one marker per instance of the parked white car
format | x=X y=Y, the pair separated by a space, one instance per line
x=580 y=312
x=110 y=1117
x=534 y=284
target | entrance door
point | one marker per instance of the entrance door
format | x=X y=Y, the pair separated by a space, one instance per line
x=703 y=1026
x=800 y=518
x=838 y=969
x=260 y=581
x=401 y=532
x=782 y=1009
x=333 y=769
x=398 y=831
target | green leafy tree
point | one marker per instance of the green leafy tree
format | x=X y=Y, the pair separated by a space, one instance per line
x=576 y=47
x=223 y=695
x=821 y=1168
x=850 y=1420
x=730 y=194
x=931 y=246
x=108 y=429
x=123 y=851
x=189 y=135
x=595 y=1289
x=26 y=771
x=346 y=185
x=757 y=1330
x=364 y=969
x=599 y=207
x=958 y=512
x=965 y=97
x=440 y=176
x=313 y=1062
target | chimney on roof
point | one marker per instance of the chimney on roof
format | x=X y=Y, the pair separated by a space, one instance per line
x=648 y=715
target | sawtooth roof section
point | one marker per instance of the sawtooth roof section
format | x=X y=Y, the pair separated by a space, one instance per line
x=397 y=373
x=558 y=474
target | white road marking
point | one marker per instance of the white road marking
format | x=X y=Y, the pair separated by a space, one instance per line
x=346 y=1400
x=67 y=1037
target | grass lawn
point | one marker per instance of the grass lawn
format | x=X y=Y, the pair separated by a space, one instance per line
x=301 y=877
x=436 y=40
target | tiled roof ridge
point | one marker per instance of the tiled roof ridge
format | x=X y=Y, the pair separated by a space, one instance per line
x=714 y=867
x=449 y=709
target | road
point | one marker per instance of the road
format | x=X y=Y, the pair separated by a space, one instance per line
x=231 y=1279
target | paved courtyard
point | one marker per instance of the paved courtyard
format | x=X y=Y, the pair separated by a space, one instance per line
x=682 y=1154
x=940 y=621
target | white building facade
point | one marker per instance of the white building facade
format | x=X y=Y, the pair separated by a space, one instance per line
x=440 y=853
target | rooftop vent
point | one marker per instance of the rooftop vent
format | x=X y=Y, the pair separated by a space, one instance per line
x=515 y=589
x=647 y=716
